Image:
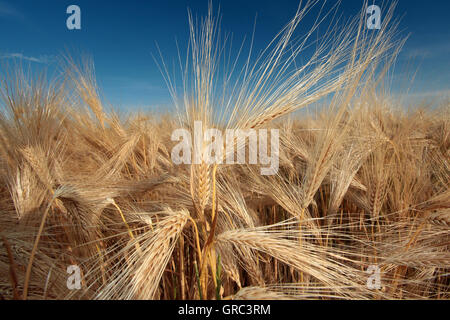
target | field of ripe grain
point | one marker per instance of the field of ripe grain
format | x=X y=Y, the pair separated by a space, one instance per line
x=358 y=209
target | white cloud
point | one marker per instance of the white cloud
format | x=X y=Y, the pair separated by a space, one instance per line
x=429 y=94
x=418 y=53
x=426 y=95
x=427 y=52
x=44 y=59
x=6 y=10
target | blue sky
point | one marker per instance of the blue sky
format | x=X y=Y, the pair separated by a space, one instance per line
x=120 y=37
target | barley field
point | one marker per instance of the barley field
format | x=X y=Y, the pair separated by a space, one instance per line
x=359 y=207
